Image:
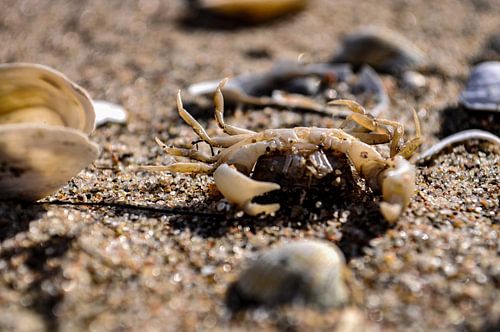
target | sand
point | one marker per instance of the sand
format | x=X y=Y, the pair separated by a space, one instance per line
x=122 y=250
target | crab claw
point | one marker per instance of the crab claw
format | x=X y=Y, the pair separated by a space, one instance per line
x=398 y=187
x=239 y=189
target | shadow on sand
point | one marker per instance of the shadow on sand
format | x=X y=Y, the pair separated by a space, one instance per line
x=15 y=218
x=456 y=118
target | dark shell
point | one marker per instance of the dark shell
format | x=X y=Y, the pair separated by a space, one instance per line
x=482 y=92
x=312 y=80
x=382 y=49
x=308 y=272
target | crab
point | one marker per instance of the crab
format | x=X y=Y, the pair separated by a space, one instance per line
x=240 y=150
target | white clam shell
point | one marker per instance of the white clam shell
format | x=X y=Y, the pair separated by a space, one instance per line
x=25 y=86
x=45 y=120
x=302 y=271
x=106 y=112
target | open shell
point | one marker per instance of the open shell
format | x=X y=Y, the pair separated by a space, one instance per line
x=45 y=120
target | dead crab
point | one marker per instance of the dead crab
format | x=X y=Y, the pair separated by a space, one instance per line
x=240 y=150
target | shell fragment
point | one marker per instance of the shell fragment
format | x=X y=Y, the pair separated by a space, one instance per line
x=106 y=112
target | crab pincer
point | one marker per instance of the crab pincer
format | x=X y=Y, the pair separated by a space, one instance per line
x=239 y=150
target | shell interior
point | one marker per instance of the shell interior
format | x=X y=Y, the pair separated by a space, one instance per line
x=35 y=93
x=45 y=120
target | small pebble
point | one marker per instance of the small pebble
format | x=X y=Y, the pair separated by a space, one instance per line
x=297 y=272
x=414 y=81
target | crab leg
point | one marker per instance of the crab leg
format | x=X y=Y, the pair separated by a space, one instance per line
x=366 y=121
x=370 y=138
x=219 y=113
x=360 y=117
x=239 y=189
x=220 y=141
x=409 y=147
x=188 y=118
x=397 y=134
x=394 y=178
x=188 y=153
x=198 y=167
x=350 y=104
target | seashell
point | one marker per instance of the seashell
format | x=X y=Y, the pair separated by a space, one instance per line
x=281 y=84
x=36 y=93
x=45 y=120
x=248 y=88
x=297 y=272
x=250 y=10
x=106 y=112
x=460 y=137
x=482 y=92
x=382 y=49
